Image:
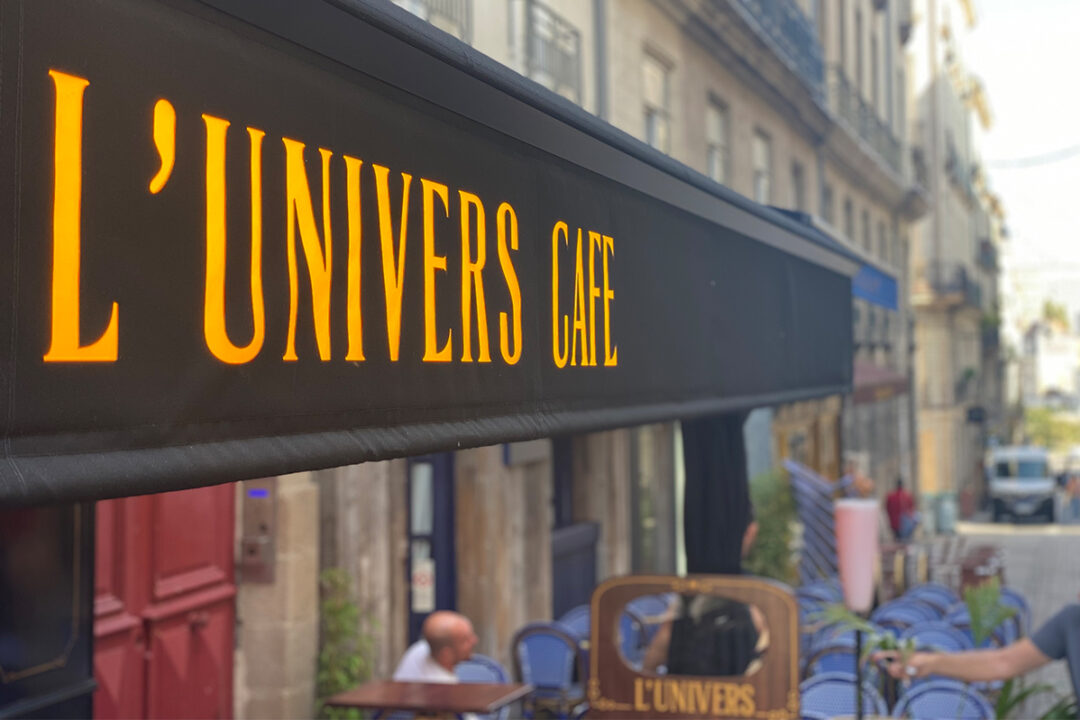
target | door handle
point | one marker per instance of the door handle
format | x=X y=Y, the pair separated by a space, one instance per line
x=197 y=620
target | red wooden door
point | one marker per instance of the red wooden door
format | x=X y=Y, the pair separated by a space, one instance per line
x=165 y=605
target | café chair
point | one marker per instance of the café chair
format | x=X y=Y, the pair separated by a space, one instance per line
x=577 y=621
x=943 y=699
x=546 y=656
x=1014 y=599
x=482 y=669
x=902 y=614
x=940 y=635
x=832 y=694
x=935 y=594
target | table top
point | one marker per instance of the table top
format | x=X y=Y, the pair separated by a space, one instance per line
x=459 y=698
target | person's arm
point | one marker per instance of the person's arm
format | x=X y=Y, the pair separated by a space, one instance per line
x=971 y=666
x=657 y=652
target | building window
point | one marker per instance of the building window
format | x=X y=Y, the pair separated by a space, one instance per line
x=821 y=18
x=552 y=51
x=827 y=210
x=859 y=53
x=867 y=239
x=875 y=85
x=883 y=243
x=655 y=81
x=849 y=221
x=451 y=16
x=798 y=187
x=762 y=154
x=842 y=12
x=901 y=100
x=716 y=141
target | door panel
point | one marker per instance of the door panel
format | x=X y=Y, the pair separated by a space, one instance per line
x=188 y=533
x=164 y=605
x=119 y=646
x=119 y=668
x=190 y=669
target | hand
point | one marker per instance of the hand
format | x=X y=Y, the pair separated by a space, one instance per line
x=917 y=666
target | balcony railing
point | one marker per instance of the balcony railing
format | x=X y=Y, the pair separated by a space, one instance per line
x=553 y=50
x=950 y=281
x=988 y=256
x=452 y=16
x=791 y=35
x=848 y=104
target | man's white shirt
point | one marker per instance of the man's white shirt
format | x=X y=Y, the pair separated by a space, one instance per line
x=417 y=665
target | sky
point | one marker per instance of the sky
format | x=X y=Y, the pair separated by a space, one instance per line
x=1027 y=52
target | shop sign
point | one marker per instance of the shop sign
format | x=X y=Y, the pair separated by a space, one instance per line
x=227 y=256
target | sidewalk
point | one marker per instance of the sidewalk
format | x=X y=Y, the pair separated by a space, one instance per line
x=1043 y=563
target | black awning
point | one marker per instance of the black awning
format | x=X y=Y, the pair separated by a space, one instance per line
x=550 y=275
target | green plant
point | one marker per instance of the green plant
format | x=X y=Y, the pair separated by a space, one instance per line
x=986 y=611
x=346 y=652
x=1065 y=709
x=774 y=510
x=841 y=620
x=1013 y=694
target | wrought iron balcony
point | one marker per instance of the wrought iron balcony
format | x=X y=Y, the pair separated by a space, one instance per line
x=452 y=16
x=848 y=104
x=949 y=282
x=987 y=255
x=791 y=35
x=552 y=50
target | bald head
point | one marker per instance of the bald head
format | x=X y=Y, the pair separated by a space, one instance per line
x=450 y=636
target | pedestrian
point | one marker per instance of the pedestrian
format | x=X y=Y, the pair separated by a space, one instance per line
x=901 y=509
x=1072 y=490
x=1057 y=639
x=448 y=639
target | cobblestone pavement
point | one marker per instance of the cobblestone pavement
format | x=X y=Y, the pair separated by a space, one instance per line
x=1042 y=562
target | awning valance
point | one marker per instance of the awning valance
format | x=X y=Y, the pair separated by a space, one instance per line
x=254 y=237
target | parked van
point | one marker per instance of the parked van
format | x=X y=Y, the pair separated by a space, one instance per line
x=1021 y=484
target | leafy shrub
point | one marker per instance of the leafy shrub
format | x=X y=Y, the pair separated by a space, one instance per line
x=774 y=510
x=346 y=652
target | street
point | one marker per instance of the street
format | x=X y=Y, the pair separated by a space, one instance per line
x=1042 y=562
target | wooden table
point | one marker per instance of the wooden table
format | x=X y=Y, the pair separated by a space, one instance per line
x=431 y=698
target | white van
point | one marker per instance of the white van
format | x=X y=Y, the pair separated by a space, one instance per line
x=1020 y=482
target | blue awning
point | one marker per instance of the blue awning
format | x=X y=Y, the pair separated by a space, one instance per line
x=875 y=286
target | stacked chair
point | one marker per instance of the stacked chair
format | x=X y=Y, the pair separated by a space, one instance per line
x=933 y=616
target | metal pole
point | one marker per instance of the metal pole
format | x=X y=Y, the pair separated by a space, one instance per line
x=858 y=676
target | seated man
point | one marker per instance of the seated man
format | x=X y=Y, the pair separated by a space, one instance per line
x=1058 y=638
x=448 y=640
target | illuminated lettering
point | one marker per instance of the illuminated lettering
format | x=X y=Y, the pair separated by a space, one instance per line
x=433 y=262
x=639 y=695
x=699 y=698
x=317 y=253
x=580 y=328
x=393 y=273
x=611 y=353
x=560 y=357
x=471 y=278
x=659 y=701
x=507 y=226
x=594 y=294
x=717 y=699
x=67 y=218
x=354 y=317
x=214 y=330
x=749 y=705
x=165 y=142
x=677 y=699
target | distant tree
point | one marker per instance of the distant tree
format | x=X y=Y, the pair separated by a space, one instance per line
x=1049 y=429
x=1055 y=313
